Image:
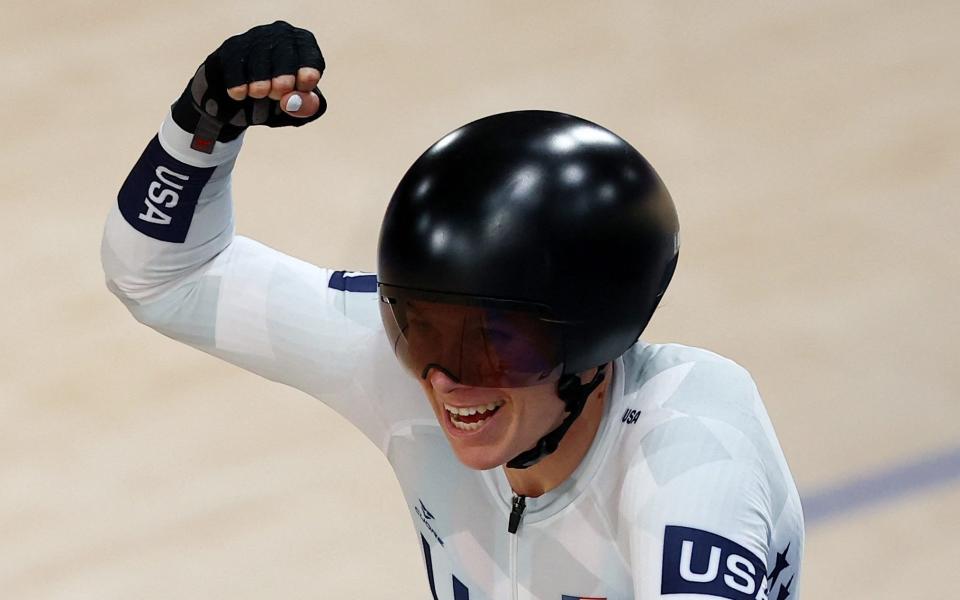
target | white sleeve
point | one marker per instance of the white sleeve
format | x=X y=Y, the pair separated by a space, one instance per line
x=704 y=533
x=170 y=254
x=697 y=501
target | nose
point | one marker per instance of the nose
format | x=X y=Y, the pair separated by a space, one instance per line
x=441 y=382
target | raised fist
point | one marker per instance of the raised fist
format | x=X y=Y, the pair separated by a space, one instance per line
x=266 y=76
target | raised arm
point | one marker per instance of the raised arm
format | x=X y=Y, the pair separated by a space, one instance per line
x=170 y=254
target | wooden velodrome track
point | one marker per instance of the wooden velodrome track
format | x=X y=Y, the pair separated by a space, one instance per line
x=812 y=151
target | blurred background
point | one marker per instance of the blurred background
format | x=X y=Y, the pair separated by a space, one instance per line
x=811 y=148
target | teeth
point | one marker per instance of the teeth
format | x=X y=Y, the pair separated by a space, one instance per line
x=472 y=410
x=468 y=426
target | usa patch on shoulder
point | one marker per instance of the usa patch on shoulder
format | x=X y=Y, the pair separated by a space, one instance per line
x=160 y=194
x=699 y=562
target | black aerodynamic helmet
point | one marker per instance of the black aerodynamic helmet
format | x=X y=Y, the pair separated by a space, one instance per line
x=523 y=247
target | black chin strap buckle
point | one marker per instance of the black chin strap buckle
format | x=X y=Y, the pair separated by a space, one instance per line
x=574 y=395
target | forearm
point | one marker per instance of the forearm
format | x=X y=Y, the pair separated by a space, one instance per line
x=172 y=216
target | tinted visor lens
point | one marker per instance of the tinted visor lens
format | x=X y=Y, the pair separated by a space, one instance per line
x=477 y=345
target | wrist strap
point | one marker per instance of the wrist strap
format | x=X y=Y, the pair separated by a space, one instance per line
x=205 y=129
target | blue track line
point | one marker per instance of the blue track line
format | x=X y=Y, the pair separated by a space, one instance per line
x=882 y=486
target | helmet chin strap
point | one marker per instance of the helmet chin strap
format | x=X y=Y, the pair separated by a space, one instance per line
x=574 y=395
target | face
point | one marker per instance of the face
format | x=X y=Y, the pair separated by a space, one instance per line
x=503 y=422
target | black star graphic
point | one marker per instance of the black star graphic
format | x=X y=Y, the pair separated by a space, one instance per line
x=781 y=565
x=785 y=590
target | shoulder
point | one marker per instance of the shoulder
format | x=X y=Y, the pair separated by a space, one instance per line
x=643 y=361
x=354 y=293
x=699 y=416
x=690 y=395
x=686 y=379
x=702 y=478
x=702 y=432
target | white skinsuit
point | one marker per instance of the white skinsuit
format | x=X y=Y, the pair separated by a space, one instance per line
x=684 y=494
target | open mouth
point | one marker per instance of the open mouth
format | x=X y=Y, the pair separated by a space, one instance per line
x=471 y=418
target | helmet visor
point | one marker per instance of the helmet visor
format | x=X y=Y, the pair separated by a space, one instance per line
x=483 y=343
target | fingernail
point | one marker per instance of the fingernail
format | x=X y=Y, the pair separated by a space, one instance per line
x=294 y=103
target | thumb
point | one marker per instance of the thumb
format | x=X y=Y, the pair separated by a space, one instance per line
x=300 y=104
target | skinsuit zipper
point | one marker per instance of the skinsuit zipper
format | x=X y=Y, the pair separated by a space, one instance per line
x=516 y=513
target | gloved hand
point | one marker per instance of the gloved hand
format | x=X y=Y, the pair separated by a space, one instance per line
x=266 y=76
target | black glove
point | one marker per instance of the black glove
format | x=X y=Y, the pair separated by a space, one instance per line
x=261 y=53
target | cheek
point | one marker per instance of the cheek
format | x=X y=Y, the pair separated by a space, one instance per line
x=540 y=410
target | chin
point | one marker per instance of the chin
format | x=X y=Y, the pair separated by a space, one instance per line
x=479 y=458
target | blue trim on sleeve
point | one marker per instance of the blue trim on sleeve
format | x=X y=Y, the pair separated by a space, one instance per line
x=340 y=280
